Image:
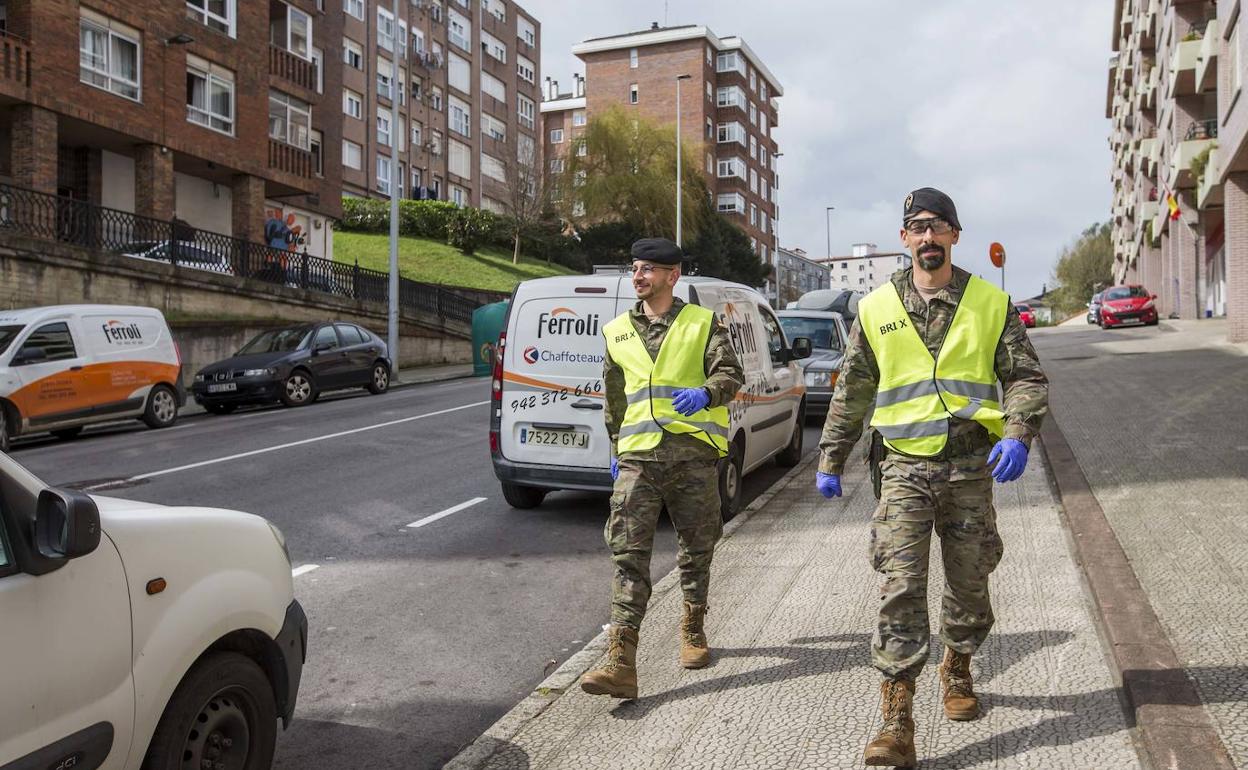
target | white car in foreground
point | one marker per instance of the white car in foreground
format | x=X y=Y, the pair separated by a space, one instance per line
x=135 y=635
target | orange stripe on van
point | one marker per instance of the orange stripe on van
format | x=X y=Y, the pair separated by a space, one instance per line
x=521 y=379
x=92 y=385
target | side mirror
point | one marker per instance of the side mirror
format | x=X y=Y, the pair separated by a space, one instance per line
x=321 y=348
x=801 y=348
x=31 y=355
x=1152 y=296
x=67 y=525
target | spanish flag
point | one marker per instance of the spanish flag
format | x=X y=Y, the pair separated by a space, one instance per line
x=1173 y=203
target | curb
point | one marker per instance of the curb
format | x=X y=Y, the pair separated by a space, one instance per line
x=1172 y=729
x=479 y=752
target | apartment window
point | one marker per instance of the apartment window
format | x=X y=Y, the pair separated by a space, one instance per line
x=494 y=87
x=220 y=15
x=730 y=167
x=458 y=31
x=632 y=58
x=352 y=54
x=290 y=119
x=753 y=114
x=460 y=117
x=385 y=78
x=762 y=221
x=352 y=104
x=632 y=94
x=109 y=55
x=385 y=29
x=762 y=89
x=578 y=118
x=710 y=91
x=709 y=55
x=753 y=81
x=526 y=110
x=318 y=154
x=762 y=187
x=730 y=203
x=383 y=174
x=435 y=142
x=762 y=122
x=435 y=98
x=383 y=127
x=459 y=159
x=728 y=61
x=458 y=73
x=291 y=28
x=556 y=135
x=556 y=166
x=416 y=128
x=437 y=188
x=493 y=46
x=416 y=181
x=492 y=126
x=318 y=58
x=496 y=8
x=731 y=132
x=459 y=196
x=493 y=168
x=710 y=163
x=526 y=150
x=354 y=7
x=526 y=31
x=209 y=95
x=525 y=69
x=582 y=149
x=352 y=155
x=401 y=176
x=730 y=96
x=763 y=253
x=435 y=10
x=753 y=181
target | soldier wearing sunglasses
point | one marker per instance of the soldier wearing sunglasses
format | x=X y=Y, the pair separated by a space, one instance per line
x=926 y=354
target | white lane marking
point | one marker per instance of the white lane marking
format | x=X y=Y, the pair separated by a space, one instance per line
x=303 y=569
x=312 y=440
x=447 y=512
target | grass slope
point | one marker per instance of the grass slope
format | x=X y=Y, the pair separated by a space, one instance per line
x=421 y=259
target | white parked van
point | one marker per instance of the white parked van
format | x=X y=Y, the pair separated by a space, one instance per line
x=547 y=430
x=67 y=366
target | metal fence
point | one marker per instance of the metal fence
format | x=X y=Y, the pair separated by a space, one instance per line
x=77 y=222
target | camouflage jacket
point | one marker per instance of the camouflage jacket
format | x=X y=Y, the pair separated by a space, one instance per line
x=1017 y=366
x=724 y=378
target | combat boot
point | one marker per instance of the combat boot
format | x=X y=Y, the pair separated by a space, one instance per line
x=694 y=650
x=894 y=745
x=618 y=676
x=961 y=704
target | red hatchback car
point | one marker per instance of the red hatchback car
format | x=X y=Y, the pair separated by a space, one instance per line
x=1026 y=315
x=1127 y=306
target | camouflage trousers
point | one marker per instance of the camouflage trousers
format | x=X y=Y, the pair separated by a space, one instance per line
x=954 y=498
x=690 y=490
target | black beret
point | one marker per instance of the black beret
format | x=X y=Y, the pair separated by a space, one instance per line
x=660 y=251
x=933 y=200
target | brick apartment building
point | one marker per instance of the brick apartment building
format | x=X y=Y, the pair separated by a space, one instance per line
x=468 y=97
x=210 y=111
x=728 y=107
x=1180 y=207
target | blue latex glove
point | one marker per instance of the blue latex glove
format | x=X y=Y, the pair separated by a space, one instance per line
x=828 y=484
x=688 y=401
x=615 y=469
x=1010 y=455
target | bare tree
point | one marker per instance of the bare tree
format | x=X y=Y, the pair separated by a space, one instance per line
x=527 y=191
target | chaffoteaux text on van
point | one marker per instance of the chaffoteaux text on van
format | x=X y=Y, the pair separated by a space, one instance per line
x=114 y=331
x=565 y=321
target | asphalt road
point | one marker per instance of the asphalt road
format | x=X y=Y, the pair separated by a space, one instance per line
x=420 y=637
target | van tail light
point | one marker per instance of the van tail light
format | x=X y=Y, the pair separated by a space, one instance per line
x=493 y=442
x=177 y=350
x=496 y=378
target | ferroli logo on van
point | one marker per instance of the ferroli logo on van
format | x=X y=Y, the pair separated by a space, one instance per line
x=564 y=321
x=118 y=333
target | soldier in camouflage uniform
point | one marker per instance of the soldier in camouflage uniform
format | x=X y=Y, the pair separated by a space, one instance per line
x=680 y=472
x=950 y=493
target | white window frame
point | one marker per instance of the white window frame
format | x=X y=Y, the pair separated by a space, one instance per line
x=384 y=65
x=495 y=8
x=556 y=136
x=350 y=148
x=632 y=58
x=354 y=8
x=352 y=50
x=525 y=69
x=459 y=158
x=753 y=114
x=492 y=86
x=525 y=110
x=461 y=37
x=114 y=83
x=735 y=203
x=634 y=94
x=385 y=29
x=227 y=24
x=526 y=31
x=418 y=41
x=459 y=196
x=727 y=168
x=493 y=127
x=458 y=72
x=753 y=147
x=493 y=47
x=578 y=118
x=459 y=117
x=352 y=104
x=435 y=98
x=293 y=13
x=292 y=109
x=415 y=135
x=383 y=179
x=385 y=131
x=556 y=165
x=730 y=96
x=728 y=61
x=212 y=75
x=730 y=132
x=493 y=168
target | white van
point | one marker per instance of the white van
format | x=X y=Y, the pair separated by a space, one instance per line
x=67 y=366
x=546 y=426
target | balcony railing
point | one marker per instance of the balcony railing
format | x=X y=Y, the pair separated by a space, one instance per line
x=146 y=241
x=294 y=68
x=289 y=158
x=14 y=60
x=1202 y=129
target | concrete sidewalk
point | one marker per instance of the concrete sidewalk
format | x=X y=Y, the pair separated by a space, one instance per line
x=793 y=604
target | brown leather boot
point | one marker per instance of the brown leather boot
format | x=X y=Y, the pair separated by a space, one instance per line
x=618 y=676
x=894 y=745
x=961 y=704
x=694 y=650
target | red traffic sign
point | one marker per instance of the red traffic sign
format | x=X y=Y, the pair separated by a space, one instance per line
x=996 y=252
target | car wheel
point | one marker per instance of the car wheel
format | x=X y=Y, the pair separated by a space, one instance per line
x=222 y=715
x=298 y=389
x=162 y=408
x=65 y=434
x=792 y=454
x=380 y=381
x=1154 y=322
x=520 y=496
x=730 y=482
x=220 y=408
x=4 y=429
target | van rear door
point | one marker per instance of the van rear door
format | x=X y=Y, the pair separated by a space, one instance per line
x=131 y=351
x=552 y=390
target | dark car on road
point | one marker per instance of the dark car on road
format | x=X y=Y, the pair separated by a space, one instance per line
x=827 y=334
x=1094 y=309
x=1127 y=306
x=294 y=365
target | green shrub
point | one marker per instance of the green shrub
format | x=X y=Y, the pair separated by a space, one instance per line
x=364 y=215
x=425 y=219
x=468 y=229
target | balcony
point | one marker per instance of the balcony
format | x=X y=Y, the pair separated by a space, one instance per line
x=290 y=159
x=1145 y=152
x=1209 y=189
x=292 y=68
x=1148 y=212
x=14 y=63
x=1183 y=67
x=1159 y=223
x=1181 y=176
x=1207 y=68
x=1147 y=28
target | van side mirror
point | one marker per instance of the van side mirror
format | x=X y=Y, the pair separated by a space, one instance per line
x=67 y=525
x=801 y=348
x=30 y=355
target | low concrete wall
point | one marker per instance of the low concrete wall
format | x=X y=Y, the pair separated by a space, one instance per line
x=211 y=315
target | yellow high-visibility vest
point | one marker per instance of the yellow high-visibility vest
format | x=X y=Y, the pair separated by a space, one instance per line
x=649 y=384
x=918 y=394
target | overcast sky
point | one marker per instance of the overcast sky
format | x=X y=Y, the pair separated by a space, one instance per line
x=999 y=104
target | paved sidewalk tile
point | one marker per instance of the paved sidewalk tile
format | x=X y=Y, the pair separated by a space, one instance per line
x=791 y=686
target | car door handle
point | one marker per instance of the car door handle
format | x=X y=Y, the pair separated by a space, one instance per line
x=586 y=404
x=75 y=368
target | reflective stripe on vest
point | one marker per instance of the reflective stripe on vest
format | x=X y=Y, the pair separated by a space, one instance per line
x=917 y=394
x=649 y=384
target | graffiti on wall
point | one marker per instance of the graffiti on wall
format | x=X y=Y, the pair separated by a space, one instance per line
x=283 y=230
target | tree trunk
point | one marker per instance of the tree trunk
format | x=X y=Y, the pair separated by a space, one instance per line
x=515 y=255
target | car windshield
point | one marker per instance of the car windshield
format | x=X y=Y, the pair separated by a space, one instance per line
x=1126 y=292
x=277 y=341
x=1023 y=308
x=7 y=335
x=821 y=331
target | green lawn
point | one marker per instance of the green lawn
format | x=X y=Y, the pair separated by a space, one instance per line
x=431 y=261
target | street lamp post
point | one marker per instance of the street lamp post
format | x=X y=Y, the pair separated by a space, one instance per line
x=775 y=228
x=679 y=78
x=392 y=316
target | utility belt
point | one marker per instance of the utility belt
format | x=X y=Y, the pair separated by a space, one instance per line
x=957 y=446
